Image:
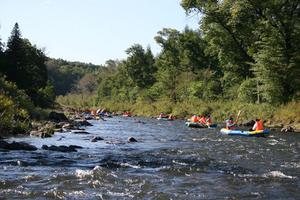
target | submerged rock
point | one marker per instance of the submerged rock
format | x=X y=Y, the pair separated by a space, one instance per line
x=80 y=132
x=96 y=138
x=131 y=139
x=75 y=146
x=17 y=146
x=82 y=122
x=61 y=148
x=40 y=134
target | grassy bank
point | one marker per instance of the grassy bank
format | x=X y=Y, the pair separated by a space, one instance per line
x=220 y=110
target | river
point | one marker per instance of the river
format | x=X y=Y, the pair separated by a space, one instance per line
x=169 y=161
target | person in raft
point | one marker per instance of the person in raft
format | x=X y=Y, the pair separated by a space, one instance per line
x=162 y=115
x=171 y=117
x=230 y=124
x=208 y=120
x=258 y=126
x=194 y=118
x=202 y=119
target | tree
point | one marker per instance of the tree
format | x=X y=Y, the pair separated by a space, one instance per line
x=25 y=64
x=140 y=66
x=87 y=84
x=2 y=58
x=254 y=39
x=277 y=66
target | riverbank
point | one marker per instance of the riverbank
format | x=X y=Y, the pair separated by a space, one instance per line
x=44 y=122
x=282 y=116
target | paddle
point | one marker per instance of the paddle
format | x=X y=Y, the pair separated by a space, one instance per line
x=237 y=117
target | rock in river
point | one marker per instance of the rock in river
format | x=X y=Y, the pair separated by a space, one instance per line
x=287 y=129
x=96 y=138
x=17 y=146
x=131 y=139
x=57 y=117
x=61 y=148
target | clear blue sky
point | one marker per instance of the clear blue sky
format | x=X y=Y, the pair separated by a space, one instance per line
x=92 y=30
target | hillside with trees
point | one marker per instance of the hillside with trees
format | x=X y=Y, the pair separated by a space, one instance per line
x=245 y=55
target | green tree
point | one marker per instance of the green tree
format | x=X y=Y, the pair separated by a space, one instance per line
x=140 y=66
x=277 y=66
x=25 y=64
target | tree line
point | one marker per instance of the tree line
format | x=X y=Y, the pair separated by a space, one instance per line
x=244 y=49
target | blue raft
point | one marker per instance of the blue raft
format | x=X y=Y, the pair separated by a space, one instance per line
x=199 y=125
x=261 y=133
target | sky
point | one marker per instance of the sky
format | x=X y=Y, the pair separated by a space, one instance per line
x=92 y=31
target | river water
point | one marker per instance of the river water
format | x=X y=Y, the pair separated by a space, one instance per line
x=169 y=161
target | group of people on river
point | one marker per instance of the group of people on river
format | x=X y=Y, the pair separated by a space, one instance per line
x=170 y=116
x=202 y=119
x=231 y=124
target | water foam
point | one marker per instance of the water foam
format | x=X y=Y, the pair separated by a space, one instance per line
x=79 y=173
x=272 y=142
x=277 y=174
x=129 y=165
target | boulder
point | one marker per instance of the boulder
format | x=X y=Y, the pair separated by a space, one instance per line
x=75 y=146
x=80 y=132
x=288 y=129
x=3 y=145
x=131 y=139
x=57 y=117
x=68 y=126
x=17 y=146
x=43 y=132
x=37 y=134
x=96 y=138
x=61 y=148
x=82 y=122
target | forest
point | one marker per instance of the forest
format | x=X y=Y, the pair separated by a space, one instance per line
x=245 y=55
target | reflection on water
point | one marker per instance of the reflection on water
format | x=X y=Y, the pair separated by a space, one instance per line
x=169 y=161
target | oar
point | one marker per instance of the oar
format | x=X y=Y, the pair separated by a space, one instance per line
x=238 y=115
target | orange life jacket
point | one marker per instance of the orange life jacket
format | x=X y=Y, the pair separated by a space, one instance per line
x=195 y=119
x=259 y=125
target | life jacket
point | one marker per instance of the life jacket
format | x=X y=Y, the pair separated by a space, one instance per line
x=259 y=125
x=203 y=120
x=195 y=119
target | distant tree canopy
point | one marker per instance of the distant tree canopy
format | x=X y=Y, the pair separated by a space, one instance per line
x=245 y=49
x=66 y=76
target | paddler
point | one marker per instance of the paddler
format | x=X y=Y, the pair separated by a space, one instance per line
x=258 y=126
x=230 y=124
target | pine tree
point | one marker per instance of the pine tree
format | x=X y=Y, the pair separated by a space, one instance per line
x=25 y=64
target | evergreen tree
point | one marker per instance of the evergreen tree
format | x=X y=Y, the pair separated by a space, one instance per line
x=2 y=58
x=25 y=64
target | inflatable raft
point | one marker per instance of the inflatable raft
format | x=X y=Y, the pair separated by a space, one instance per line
x=245 y=133
x=164 y=119
x=198 y=125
